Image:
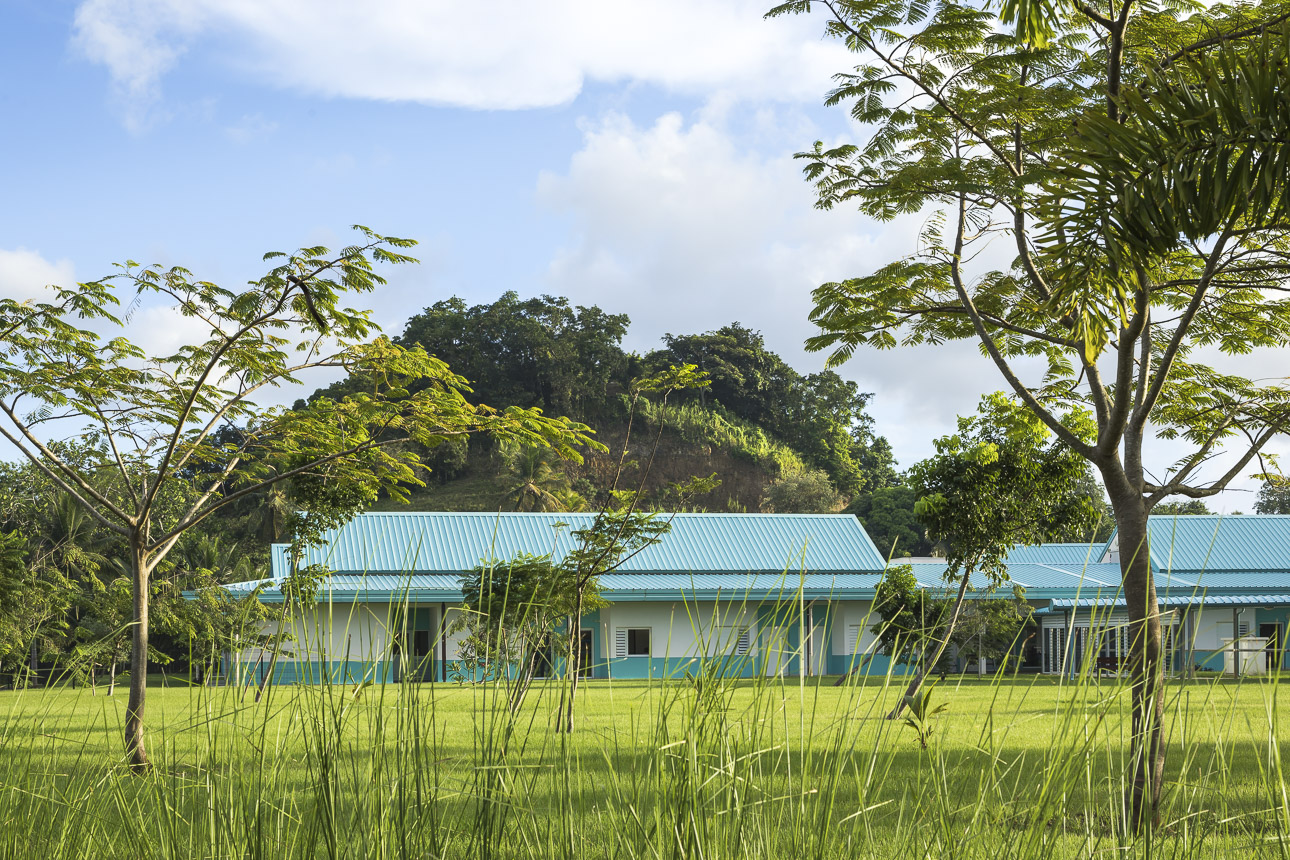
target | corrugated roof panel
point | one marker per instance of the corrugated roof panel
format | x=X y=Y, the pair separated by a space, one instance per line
x=1216 y=544
x=434 y=587
x=734 y=585
x=1063 y=554
x=439 y=542
x=1029 y=576
x=1188 y=600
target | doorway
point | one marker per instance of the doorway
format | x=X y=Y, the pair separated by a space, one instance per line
x=1275 y=646
x=584 y=653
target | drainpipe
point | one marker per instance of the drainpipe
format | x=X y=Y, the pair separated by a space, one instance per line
x=443 y=642
x=1191 y=641
x=1066 y=646
x=1236 y=642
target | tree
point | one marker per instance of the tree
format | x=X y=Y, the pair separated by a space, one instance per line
x=887 y=514
x=821 y=416
x=31 y=599
x=154 y=416
x=808 y=492
x=535 y=479
x=909 y=616
x=513 y=610
x=992 y=629
x=1002 y=480
x=1173 y=509
x=1134 y=160
x=1274 y=496
x=534 y=352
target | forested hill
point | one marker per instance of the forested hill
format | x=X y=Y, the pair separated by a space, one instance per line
x=775 y=438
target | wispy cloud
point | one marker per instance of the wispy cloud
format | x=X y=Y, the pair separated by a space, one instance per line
x=25 y=274
x=507 y=55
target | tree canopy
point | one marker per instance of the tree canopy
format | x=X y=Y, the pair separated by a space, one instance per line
x=150 y=465
x=1133 y=158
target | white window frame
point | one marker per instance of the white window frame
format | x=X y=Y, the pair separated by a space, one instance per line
x=621 y=639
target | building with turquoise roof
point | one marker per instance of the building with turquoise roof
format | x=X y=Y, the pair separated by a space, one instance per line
x=787 y=594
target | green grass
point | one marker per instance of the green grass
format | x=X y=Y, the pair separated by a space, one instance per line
x=1021 y=767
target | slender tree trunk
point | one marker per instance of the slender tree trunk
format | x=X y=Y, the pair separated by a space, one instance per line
x=925 y=666
x=1146 y=668
x=565 y=722
x=134 y=710
x=112 y=677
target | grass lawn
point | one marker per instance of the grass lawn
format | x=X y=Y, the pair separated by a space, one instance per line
x=1022 y=767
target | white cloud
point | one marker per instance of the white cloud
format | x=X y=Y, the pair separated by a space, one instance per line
x=685 y=229
x=506 y=55
x=25 y=274
x=139 y=41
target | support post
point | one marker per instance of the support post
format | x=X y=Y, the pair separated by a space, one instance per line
x=1236 y=642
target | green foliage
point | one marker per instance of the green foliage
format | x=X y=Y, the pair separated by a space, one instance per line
x=538 y=352
x=808 y=492
x=821 y=416
x=1003 y=480
x=536 y=482
x=1274 y=496
x=920 y=712
x=567 y=360
x=992 y=629
x=909 y=617
x=1198 y=148
x=714 y=426
x=1171 y=509
x=33 y=605
x=888 y=517
x=511 y=618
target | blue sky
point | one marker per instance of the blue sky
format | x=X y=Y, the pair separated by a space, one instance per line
x=634 y=155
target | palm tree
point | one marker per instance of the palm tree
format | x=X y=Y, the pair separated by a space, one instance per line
x=534 y=476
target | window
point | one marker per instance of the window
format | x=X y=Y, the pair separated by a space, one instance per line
x=729 y=641
x=638 y=642
x=632 y=642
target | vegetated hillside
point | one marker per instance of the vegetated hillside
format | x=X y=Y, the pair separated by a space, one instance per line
x=696 y=441
x=759 y=421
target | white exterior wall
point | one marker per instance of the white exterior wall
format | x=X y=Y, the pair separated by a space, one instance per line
x=677 y=629
x=339 y=631
x=1214 y=624
x=353 y=631
x=852 y=620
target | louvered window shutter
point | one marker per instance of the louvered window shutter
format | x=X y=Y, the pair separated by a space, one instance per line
x=853 y=637
x=744 y=641
x=620 y=642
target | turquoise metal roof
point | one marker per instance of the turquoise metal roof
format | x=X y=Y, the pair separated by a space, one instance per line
x=1219 y=544
x=452 y=543
x=618 y=587
x=1206 y=599
x=1035 y=577
x=829 y=537
x=1064 y=554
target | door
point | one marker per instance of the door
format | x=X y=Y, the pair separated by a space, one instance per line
x=1274 y=648
x=584 y=653
x=420 y=658
x=544 y=660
